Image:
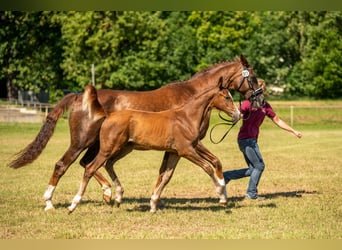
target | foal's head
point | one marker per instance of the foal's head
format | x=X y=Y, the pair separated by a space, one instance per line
x=223 y=101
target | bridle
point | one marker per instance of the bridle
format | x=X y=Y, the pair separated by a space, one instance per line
x=252 y=98
x=255 y=92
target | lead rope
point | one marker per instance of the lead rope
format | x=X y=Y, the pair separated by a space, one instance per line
x=245 y=74
x=226 y=123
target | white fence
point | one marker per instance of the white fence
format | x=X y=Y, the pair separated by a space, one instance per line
x=23 y=111
x=301 y=115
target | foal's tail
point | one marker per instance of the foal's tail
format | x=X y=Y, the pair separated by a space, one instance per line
x=36 y=147
x=91 y=104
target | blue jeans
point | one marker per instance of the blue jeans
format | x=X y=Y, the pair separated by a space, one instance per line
x=251 y=152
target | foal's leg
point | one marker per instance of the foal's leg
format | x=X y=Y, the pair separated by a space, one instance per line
x=89 y=171
x=110 y=170
x=192 y=155
x=210 y=157
x=216 y=163
x=86 y=159
x=166 y=171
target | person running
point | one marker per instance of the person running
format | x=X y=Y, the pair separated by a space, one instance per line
x=248 y=144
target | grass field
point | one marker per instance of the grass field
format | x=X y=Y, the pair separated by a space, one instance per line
x=302 y=184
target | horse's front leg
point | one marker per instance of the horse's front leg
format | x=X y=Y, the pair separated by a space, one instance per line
x=105 y=185
x=166 y=171
x=119 y=190
x=110 y=170
x=89 y=171
x=216 y=163
x=196 y=157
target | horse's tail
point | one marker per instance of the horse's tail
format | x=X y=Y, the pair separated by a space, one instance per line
x=36 y=147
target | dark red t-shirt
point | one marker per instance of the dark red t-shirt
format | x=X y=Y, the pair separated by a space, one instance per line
x=252 y=119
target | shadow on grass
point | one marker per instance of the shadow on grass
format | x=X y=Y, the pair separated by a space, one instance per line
x=180 y=204
x=289 y=194
x=199 y=204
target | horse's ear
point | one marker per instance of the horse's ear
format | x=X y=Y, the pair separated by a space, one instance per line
x=244 y=61
x=262 y=84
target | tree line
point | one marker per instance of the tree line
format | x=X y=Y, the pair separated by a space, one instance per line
x=297 y=51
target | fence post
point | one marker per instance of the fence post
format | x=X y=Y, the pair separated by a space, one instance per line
x=46 y=110
x=93 y=74
x=291 y=114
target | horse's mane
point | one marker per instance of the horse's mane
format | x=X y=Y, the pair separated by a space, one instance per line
x=203 y=71
x=177 y=84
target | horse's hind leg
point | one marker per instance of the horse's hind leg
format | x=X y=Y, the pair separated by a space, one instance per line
x=105 y=185
x=79 y=142
x=166 y=171
x=60 y=168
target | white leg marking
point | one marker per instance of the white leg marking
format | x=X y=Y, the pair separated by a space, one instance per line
x=74 y=203
x=48 y=196
x=221 y=182
x=107 y=191
x=77 y=199
x=49 y=205
x=49 y=192
x=154 y=197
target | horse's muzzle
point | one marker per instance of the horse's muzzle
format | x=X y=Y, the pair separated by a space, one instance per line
x=236 y=116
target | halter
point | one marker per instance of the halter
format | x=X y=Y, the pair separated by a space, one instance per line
x=255 y=92
x=252 y=97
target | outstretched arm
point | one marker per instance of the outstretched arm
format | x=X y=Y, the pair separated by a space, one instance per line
x=283 y=125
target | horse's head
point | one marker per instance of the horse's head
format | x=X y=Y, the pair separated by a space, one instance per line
x=244 y=81
x=223 y=101
x=257 y=97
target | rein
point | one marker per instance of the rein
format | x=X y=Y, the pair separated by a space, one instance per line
x=226 y=122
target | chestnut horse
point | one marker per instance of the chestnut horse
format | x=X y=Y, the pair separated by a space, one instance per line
x=84 y=126
x=176 y=130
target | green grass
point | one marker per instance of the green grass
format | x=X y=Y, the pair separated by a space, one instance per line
x=302 y=183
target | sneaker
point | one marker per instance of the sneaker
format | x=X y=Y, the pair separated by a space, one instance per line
x=258 y=198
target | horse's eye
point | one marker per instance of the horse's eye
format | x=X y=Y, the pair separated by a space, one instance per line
x=227 y=97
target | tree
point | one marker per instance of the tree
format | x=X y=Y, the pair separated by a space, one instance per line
x=29 y=51
x=140 y=50
x=142 y=61
x=131 y=50
x=220 y=35
x=273 y=46
x=318 y=73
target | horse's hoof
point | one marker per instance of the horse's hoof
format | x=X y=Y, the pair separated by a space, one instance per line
x=107 y=199
x=117 y=203
x=153 y=210
x=223 y=203
x=69 y=210
x=49 y=208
